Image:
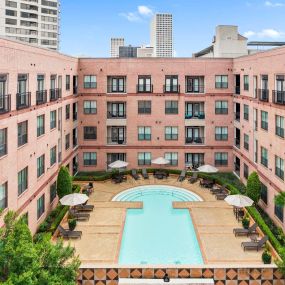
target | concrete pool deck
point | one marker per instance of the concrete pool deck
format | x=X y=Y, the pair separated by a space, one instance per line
x=213 y=221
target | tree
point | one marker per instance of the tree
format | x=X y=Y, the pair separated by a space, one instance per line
x=253 y=187
x=64 y=182
x=280 y=199
x=26 y=262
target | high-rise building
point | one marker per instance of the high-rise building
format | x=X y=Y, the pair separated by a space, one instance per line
x=127 y=51
x=161 y=35
x=115 y=44
x=34 y=22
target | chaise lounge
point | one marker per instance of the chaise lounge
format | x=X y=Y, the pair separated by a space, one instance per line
x=134 y=174
x=254 y=244
x=247 y=232
x=69 y=234
x=85 y=208
x=79 y=216
x=145 y=174
x=182 y=176
x=194 y=178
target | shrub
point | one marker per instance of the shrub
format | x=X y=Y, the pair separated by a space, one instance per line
x=64 y=184
x=253 y=187
x=245 y=222
x=72 y=224
x=266 y=256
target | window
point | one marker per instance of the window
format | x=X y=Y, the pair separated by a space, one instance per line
x=279 y=212
x=74 y=137
x=264 y=157
x=40 y=206
x=221 y=107
x=90 y=107
x=3 y=142
x=53 y=119
x=74 y=111
x=263 y=193
x=67 y=141
x=52 y=192
x=90 y=133
x=40 y=125
x=171 y=107
x=245 y=112
x=171 y=83
x=90 y=81
x=194 y=84
x=4 y=196
x=22 y=133
x=264 y=120
x=22 y=181
x=221 y=159
x=255 y=150
x=221 y=81
x=245 y=171
x=279 y=126
x=40 y=165
x=67 y=112
x=144 y=107
x=67 y=82
x=90 y=158
x=279 y=167
x=246 y=82
x=246 y=141
x=194 y=160
x=172 y=157
x=144 y=84
x=171 y=133
x=221 y=133
x=144 y=158
x=52 y=156
x=116 y=84
x=144 y=133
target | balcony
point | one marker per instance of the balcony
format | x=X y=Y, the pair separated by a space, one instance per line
x=198 y=115
x=195 y=89
x=171 y=88
x=237 y=90
x=5 y=104
x=194 y=140
x=116 y=115
x=144 y=88
x=121 y=88
x=23 y=100
x=237 y=116
x=237 y=169
x=278 y=97
x=237 y=142
x=263 y=95
x=54 y=94
x=41 y=97
x=116 y=141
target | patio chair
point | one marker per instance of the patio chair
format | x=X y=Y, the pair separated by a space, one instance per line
x=182 y=176
x=254 y=244
x=218 y=190
x=222 y=196
x=247 y=232
x=87 y=208
x=134 y=174
x=79 y=216
x=145 y=174
x=69 y=234
x=193 y=178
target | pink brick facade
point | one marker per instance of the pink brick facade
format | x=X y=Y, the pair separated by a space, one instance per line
x=118 y=132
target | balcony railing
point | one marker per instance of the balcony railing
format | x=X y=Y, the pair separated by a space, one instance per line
x=116 y=115
x=116 y=140
x=237 y=168
x=121 y=88
x=237 y=142
x=237 y=90
x=171 y=88
x=194 y=89
x=41 y=97
x=54 y=94
x=5 y=104
x=194 y=140
x=200 y=115
x=278 y=97
x=75 y=90
x=144 y=88
x=194 y=165
x=237 y=116
x=263 y=95
x=23 y=100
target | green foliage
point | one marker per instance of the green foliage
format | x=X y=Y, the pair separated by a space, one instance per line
x=253 y=187
x=24 y=261
x=266 y=256
x=245 y=222
x=64 y=182
x=280 y=199
x=72 y=224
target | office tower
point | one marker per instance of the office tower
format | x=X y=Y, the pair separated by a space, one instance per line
x=34 y=22
x=161 y=35
x=115 y=44
x=127 y=51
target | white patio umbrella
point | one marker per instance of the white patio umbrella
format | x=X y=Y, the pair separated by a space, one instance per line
x=208 y=169
x=239 y=201
x=73 y=199
x=160 y=161
x=118 y=164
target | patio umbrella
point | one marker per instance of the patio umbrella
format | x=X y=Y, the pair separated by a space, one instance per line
x=118 y=164
x=160 y=161
x=239 y=201
x=73 y=199
x=208 y=169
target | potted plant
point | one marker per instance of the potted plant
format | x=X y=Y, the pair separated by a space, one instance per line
x=245 y=222
x=266 y=256
x=72 y=224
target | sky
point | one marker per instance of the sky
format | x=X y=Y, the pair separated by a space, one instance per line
x=88 y=25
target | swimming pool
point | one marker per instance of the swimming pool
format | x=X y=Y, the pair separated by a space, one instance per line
x=158 y=234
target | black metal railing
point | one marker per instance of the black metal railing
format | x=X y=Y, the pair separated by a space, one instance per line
x=23 y=100
x=278 y=97
x=237 y=168
x=144 y=88
x=194 y=89
x=237 y=142
x=237 y=116
x=171 y=88
x=194 y=165
x=75 y=90
x=119 y=88
x=5 y=104
x=199 y=115
x=41 y=97
x=54 y=94
x=263 y=95
x=116 y=114
x=237 y=90
x=116 y=140
x=194 y=140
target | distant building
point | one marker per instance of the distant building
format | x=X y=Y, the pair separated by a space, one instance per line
x=145 y=51
x=127 y=51
x=115 y=44
x=161 y=35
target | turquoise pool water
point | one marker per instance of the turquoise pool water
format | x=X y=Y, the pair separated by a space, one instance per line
x=158 y=234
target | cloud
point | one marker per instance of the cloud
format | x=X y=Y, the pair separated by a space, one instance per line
x=131 y=16
x=145 y=11
x=265 y=33
x=274 y=4
x=137 y=16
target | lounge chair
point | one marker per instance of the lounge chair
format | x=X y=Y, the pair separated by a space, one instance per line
x=247 y=232
x=134 y=174
x=219 y=190
x=254 y=244
x=79 y=216
x=182 y=176
x=222 y=196
x=193 y=178
x=69 y=234
x=145 y=174
x=87 y=208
